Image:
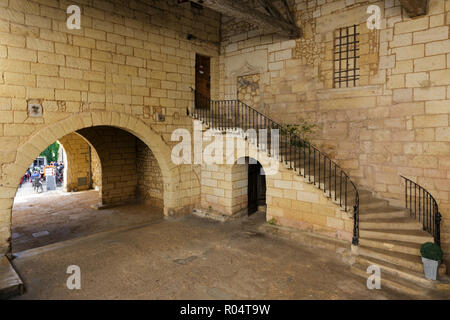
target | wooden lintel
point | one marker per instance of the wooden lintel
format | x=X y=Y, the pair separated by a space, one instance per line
x=236 y=9
x=415 y=8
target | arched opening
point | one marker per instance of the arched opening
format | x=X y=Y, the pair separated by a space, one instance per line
x=82 y=169
x=256 y=189
x=111 y=180
x=180 y=187
x=249 y=181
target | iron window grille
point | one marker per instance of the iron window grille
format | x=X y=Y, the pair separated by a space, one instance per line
x=346 y=57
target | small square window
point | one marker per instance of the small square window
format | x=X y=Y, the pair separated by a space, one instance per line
x=346 y=57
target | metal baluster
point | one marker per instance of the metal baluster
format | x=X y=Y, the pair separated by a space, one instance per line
x=225 y=116
x=437 y=237
x=433 y=219
x=304 y=159
x=429 y=212
x=228 y=114
x=419 y=203
x=329 y=180
x=410 y=193
x=340 y=189
x=424 y=205
x=238 y=114
x=319 y=168
x=346 y=181
x=406 y=194
x=290 y=152
x=267 y=129
x=415 y=200
x=335 y=181
x=426 y=211
x=314 y=164
x=245 y=117
x=309 y=162
x=254 y=126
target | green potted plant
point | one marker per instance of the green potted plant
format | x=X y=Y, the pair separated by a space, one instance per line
x=431 y=257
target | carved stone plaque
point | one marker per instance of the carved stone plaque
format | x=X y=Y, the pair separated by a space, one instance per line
x=35 y=110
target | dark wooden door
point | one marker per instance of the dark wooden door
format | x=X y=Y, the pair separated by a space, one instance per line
x=252 y=193
x=202 y=81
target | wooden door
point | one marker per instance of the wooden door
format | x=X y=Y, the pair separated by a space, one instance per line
x=202 y=81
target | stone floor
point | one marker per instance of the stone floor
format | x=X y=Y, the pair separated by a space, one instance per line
x=49 y=217
x=190 y=258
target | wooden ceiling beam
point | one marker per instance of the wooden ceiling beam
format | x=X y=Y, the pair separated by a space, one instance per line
x=415 y=8
x=238 y=10
x=271 y=9
x=290 y=15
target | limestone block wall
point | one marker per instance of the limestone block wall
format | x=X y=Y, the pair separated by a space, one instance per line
x=224 y=185
x=295 y=203
x=79 y=163
x=290 y=201
x=224 y=188
x=117 y=153
x=394 y=122
x=96 y=170
x=129 y=60
x=150 y=189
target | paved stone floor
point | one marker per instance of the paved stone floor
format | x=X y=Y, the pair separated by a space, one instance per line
x=190 y=258
x=49 y=217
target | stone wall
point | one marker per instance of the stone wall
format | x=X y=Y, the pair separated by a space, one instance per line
x=224 y=188
x=96 y=170
x=150 y=188
x=79 y=163
x=129 y=61
x=293 y=202
x=290 y=200
x=117 y=153
x=394 y=122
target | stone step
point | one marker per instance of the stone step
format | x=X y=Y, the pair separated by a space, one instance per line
x=351 y=194
x=397 y=272
x=389 y=281
x=411 y=262
x=414 y=236
x=393 y=246
x=393 y=223
x=372 y=203
x=10 y=283
x=386 y=213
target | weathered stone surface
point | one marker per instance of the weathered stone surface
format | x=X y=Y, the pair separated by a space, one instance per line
x=10 y=283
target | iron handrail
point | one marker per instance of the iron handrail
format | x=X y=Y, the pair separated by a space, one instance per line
x=216 y=113
x=424 y=208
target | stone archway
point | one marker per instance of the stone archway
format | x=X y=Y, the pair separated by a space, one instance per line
x=82 y=165
x=175 y=202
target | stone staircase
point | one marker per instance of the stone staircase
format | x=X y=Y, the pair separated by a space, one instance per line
x=388 y=236
x=391 y=239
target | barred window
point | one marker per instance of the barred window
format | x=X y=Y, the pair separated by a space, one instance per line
x=346 y=57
